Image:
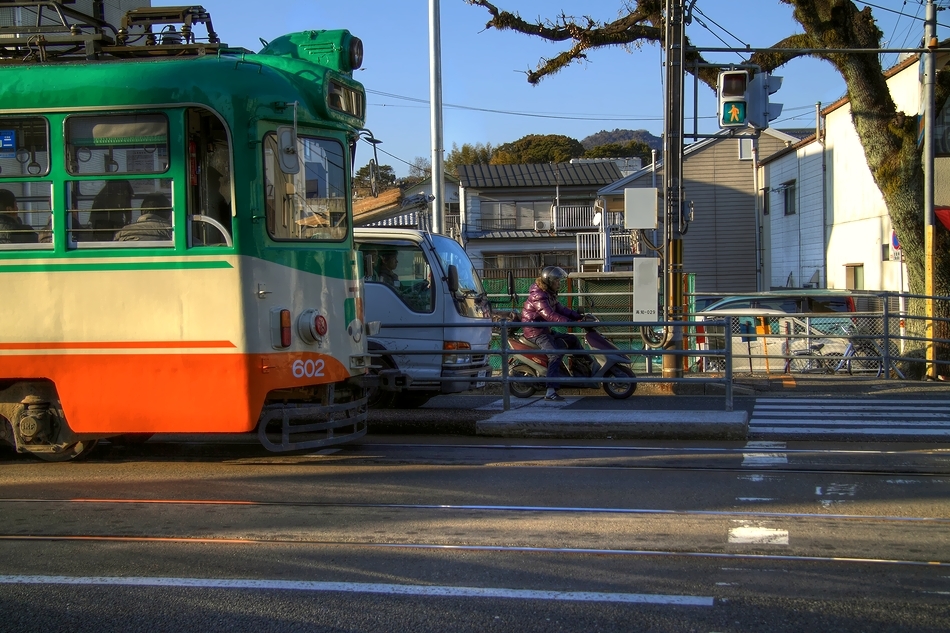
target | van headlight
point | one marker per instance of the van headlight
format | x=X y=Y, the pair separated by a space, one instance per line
x=456 y=359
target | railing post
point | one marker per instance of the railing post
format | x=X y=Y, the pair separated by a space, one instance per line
x=728 y=340
x=886 y=353
x=505 y=391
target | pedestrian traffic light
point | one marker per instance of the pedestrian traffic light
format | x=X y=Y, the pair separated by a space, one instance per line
x=733 y=98
x=759 y=111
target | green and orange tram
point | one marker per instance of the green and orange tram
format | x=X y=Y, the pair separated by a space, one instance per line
x=176 y=244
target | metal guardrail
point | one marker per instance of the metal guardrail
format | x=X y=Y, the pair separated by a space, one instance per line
x=504 y=352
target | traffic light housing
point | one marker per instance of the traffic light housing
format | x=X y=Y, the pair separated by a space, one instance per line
x=733 y=89
x=759 y=111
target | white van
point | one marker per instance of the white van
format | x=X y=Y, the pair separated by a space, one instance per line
x=420 y=285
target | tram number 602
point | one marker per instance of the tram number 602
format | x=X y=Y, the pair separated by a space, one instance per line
x=308 y=368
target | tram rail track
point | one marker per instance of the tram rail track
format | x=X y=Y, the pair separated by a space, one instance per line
x=590 y=530
x=492 y=508
x=484 y=548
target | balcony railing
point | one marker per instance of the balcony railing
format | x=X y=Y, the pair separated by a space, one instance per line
x=590 y=246
x=497 y=224
x=579 y=218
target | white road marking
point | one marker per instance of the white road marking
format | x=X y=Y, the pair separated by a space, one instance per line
x=758 y=535
x=754 y=499
x=764 y=459
x=763 y=444
x=759 y=478
x=844 y=416
x=358 y=587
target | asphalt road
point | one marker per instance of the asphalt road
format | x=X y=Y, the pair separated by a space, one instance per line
x=435 y=533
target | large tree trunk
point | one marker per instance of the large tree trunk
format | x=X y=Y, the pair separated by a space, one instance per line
x=890 y=146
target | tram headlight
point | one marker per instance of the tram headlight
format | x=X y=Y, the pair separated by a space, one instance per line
x=356 y=53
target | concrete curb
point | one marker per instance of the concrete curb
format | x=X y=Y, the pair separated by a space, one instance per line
x=660 y=425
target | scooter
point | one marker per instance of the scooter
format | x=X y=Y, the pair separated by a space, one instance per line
x=588 y=371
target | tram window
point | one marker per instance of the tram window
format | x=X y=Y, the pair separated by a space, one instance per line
x=25 y=216
x=117 y=144
x=209 y=195
x=24 y=147
x=119 y=212
x=312 y=204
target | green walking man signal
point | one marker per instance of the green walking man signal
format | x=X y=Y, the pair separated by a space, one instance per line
x=744 y=99
x=733 y=100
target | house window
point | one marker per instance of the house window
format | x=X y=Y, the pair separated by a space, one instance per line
x=508 y=216
x=788 y=197
x=766 y=201
x=854 y=276
x=745 y=149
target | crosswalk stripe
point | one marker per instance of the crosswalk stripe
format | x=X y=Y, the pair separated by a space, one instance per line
x=945 y=402
x=889 y=417
x=845 y=407
x=904 y=421
x=832 y=430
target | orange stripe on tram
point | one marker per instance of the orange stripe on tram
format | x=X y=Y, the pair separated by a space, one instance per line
x=170 y=393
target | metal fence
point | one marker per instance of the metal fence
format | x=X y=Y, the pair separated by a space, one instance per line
x=872 y=342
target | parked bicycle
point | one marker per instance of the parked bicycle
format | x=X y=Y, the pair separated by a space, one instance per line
x=862 y=355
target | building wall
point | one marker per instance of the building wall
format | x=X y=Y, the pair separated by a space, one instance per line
x=859 y=224
x=113 y=9
x=721 y=246
x=797 y=239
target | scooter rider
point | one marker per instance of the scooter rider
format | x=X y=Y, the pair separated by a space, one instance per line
x=542 y=305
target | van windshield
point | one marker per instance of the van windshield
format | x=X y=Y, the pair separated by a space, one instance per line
x=471 y=297
x=451 y=253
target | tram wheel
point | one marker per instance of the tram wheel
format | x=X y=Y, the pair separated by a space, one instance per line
x=72 y=452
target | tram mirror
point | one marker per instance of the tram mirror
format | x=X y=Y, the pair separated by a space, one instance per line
x=287 y=149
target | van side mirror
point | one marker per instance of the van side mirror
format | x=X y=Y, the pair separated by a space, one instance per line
x=453 y=278
x=287 y=149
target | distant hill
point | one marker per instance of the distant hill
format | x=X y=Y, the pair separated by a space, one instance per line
x=622 y=136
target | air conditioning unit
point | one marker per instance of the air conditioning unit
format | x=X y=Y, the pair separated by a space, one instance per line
x=542 y=225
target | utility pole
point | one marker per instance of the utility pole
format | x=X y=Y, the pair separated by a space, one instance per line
x=435 y=112
x=673 y=182
x=930 y=67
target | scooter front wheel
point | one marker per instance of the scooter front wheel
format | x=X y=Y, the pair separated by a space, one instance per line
x=619 y=390
x=522 y=389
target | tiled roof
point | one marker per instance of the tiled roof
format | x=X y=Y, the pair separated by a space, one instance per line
x=539 y=175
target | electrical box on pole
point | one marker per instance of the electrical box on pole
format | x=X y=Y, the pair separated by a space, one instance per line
x=733 y=88
x=759 y=110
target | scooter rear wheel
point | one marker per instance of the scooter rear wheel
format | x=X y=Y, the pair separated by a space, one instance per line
x=522 y=389
x=619 y=390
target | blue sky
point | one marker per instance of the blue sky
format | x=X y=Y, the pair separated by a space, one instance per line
x=484 y=69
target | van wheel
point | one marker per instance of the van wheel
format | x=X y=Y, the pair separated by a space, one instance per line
x=377 y=398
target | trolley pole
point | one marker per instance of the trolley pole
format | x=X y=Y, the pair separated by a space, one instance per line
x=673 y=182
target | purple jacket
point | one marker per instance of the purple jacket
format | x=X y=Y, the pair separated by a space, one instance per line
x=543 y=306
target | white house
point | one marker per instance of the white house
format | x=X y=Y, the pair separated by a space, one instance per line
x=826 y=224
